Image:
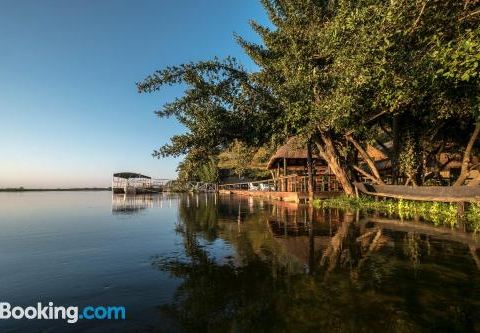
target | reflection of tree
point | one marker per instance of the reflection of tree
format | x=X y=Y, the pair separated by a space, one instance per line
x=412 y=248
x=219 y=297
x=198 y=214
x=342 y=250
x=372 y=285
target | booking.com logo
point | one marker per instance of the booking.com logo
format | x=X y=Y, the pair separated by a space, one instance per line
x=71 y=314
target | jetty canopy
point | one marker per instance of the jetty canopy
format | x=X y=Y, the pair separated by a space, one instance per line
x=130 y=175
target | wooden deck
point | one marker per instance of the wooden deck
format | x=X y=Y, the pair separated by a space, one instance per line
x=298 y=197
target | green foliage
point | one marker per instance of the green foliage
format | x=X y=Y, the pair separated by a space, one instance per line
x=458 y=59
x=336 y=67
x=333 y=66
x=473 y=216
x=436 y=212
x=237 y=157
x=244 y=161
x=409 y=157
x=220 y=104
x=188 y=168
x=198 y=168
x=208 y=171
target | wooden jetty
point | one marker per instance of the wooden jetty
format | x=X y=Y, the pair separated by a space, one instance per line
x=292 y=188
x=297 y=197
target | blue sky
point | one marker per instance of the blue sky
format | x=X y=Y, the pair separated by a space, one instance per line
x=70 y=114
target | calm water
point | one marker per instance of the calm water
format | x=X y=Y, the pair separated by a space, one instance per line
x=220 y=263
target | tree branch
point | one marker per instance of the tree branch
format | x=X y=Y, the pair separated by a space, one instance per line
x=366 y=174
x=466 y=156
x=367 y=159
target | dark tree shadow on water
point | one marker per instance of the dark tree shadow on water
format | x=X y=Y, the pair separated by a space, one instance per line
x=370 y=280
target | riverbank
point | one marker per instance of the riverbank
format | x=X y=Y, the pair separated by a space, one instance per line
x=437 y=213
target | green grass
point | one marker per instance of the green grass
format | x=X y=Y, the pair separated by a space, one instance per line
x=437 y=213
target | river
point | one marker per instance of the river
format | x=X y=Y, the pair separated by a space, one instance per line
x=210 y=263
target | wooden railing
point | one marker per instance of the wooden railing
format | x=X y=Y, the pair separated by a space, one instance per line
x=201 y=187
x=261 y=185
x=143 y=183
x=292 y=183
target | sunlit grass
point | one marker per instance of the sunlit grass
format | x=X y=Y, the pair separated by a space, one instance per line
x=473 y=216
x=437 y=213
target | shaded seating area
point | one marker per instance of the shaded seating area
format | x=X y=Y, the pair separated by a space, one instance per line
x=289 y=181
x=289 y=167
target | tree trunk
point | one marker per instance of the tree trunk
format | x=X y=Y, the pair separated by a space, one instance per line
x=367 y=158
x=466 y=156
x=329 y=153
x=311 y=188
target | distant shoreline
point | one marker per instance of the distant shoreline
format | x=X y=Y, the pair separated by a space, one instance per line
x=55 y=189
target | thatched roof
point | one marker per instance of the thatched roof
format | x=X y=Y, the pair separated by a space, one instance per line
x=294 y=150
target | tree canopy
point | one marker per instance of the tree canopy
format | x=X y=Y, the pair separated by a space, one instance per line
x=220 y=104
x=402 y=75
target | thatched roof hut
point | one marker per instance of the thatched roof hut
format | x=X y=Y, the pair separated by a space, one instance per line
x=294 y=153
x=292 y=157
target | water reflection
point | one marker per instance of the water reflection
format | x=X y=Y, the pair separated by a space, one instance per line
x=128 y=204
x=284 y=267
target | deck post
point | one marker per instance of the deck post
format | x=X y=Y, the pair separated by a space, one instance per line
x=279 y=185
x=329 y=176
x=310 y=186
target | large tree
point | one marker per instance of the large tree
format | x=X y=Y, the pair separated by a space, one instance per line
x=351 y=72
x=401 y=74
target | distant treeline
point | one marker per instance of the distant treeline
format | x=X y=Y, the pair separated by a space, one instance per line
x=21 y=189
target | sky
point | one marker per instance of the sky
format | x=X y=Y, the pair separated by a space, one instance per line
x=70 y=113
